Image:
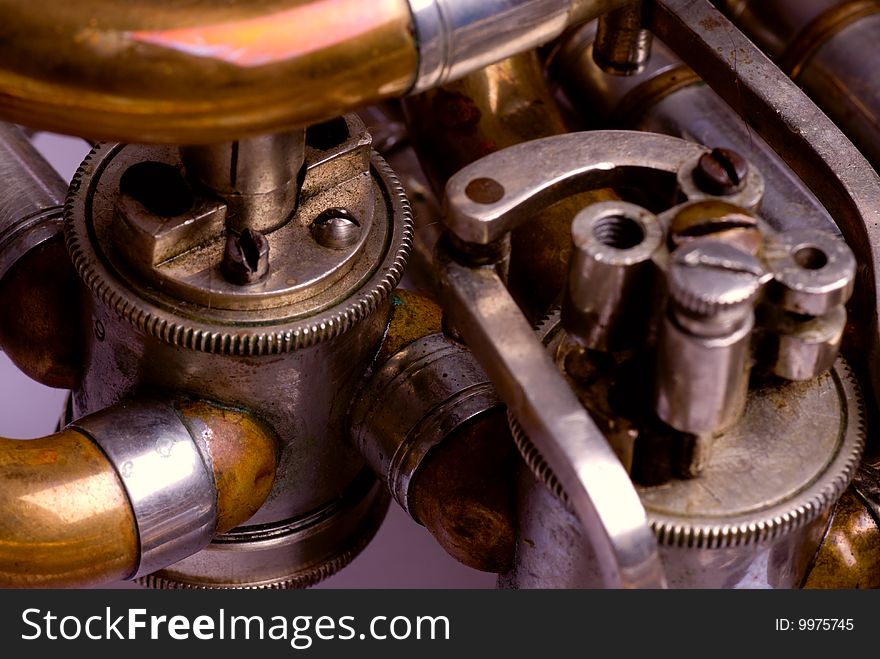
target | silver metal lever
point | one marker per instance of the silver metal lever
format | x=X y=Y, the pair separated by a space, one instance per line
x=485 y=201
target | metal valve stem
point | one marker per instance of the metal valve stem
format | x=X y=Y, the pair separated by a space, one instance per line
x=703 y=357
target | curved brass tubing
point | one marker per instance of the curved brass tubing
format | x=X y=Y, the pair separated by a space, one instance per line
x=198 y=71
x=64 y=517
x=38 y=328
x=202 y=71
x=65 y=520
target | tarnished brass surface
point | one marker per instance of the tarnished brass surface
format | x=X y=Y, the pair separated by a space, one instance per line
x=198 y=71
x=39 y=328
x=243 y=454
x=464 y=494
x=493 y=108
x=64 y=517
x=850 y=553
x=412 y=317
x=717 y=220
x=540 y=251
x=462 y=490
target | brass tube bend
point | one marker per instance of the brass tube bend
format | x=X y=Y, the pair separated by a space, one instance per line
x=203 y=71
x=198 y=71
x=67 y=517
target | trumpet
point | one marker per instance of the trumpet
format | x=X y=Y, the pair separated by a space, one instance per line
x=588 y=289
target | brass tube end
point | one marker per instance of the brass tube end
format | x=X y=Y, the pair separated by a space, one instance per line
x=243 y=454
x=38 y=329
x=67 y=518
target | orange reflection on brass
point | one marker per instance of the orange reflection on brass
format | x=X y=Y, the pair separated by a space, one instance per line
x=199 y=71
x=276 y=37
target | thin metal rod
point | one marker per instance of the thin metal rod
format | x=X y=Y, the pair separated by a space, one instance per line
x=597 y=485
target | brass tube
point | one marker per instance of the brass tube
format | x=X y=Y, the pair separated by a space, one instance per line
x=65 y=519
x=198 y=71
x=493 y=108
x=38 y=284
x=432 y=429
x=202 y=71
x=64 y=516
x=465 y=493
x=243 y=456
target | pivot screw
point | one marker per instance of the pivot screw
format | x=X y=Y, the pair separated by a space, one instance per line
x=708 y=278
x=246 y=258
x=721 y=172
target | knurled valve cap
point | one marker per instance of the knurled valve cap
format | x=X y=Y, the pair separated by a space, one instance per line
x=709 y=278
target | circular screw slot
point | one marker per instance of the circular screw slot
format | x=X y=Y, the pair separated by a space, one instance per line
x=158 y=187
x=810 y=258
x=619 y=232
x=721 y=172
x=484 y=191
